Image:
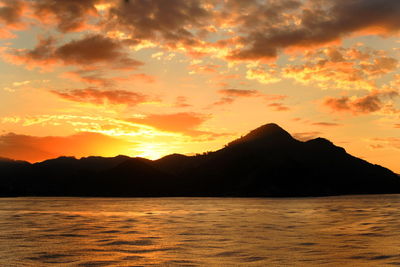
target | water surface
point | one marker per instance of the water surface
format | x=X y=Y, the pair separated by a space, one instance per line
x=332 y=231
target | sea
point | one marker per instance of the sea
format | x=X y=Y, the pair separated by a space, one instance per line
x=326 y=231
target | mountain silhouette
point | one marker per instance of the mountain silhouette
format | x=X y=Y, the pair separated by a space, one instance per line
x=267 y=162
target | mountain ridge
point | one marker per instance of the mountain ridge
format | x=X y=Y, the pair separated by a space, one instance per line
x=266 y=162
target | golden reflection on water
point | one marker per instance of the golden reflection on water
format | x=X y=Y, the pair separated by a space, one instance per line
x=348 y=231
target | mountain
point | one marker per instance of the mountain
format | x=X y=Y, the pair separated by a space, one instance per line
x=266 y=162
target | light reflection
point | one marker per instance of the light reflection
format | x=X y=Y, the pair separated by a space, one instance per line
x=348 y=231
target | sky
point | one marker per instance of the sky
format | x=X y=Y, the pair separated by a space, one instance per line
x=149 y=78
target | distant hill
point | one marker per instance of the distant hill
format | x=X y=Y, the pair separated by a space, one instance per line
x=267 y=162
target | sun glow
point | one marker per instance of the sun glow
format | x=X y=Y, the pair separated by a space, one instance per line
x=152 y=151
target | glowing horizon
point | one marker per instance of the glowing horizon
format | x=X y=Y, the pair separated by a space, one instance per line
x=145 y=78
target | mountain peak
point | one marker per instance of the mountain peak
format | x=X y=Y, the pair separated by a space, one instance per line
x=268 y=132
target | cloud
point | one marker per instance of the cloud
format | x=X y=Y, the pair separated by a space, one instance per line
x=171 y=21
x=263 y=76
x=234 y=30
x=141 y=77
x=101 y=97
x=230 y=95
x=183 y=122
x=372 y=102
x=385 y=142
x=342 y=68
x=224 y=101
x=33 y=148
x=305 y=136
x=181 y=102
x=90 y=52
x=325 y=124
x=316 y=23
x=11 y=18
x=381 y=65
x=98 y=77
x=279 y=107
x=239 y=92
x=207 y=68
x=95 y=49
x=11 y=13
x=41 y=56
x=89 y=77
x=69 y=16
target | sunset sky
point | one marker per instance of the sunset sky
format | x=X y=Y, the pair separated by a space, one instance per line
x=153 y=77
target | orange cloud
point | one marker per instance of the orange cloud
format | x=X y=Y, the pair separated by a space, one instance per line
x=88 y=77
x=183 y=122
x=101 y=97
x=279 y=107
x=381 y=65
x=336 y=67
x=325 y=124
x=385 y=142
x=34 y=149
x=224 y=101
x=97 y=77
x=230 y=95
x=181 y=102
x=372 y=102
x=263 y=76
x=207 y=68
x=305 y=136
x=239 y=92
x=142 y=77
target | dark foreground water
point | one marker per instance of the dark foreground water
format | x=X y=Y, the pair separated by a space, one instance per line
x=333 y=231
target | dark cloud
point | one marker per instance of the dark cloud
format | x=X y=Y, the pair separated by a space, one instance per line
x=171 y=20
x=96 y=49
x=319 y=22
x=90 y=52
x=262 y=29
x=69 y=16
x=101 y=97
x=11 y=12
